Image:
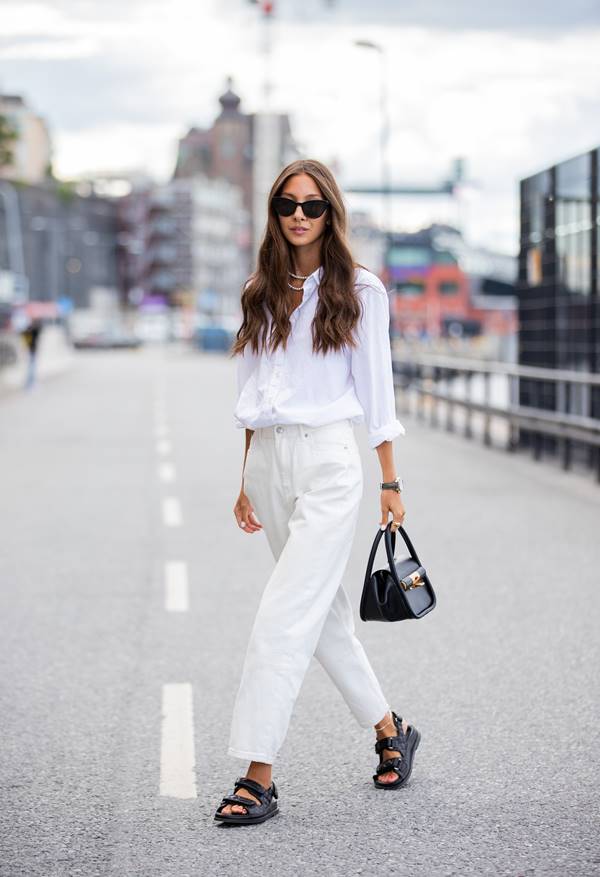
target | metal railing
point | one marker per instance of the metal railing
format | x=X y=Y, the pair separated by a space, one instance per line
x=423 y=374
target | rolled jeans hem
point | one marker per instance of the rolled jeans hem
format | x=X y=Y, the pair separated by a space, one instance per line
x=251 y=756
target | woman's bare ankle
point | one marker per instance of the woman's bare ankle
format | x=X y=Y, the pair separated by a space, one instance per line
x=261 y=773
x=384 y=724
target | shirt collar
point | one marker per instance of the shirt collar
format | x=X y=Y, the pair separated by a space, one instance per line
x=311 y=283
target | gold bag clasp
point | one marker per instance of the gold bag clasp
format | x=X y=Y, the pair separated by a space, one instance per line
x=415 y=581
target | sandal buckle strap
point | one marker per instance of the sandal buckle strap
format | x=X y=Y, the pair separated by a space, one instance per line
x=397 y=765
x=389 y=764
x=239 y=799
x=397 y=743
x=254 y=788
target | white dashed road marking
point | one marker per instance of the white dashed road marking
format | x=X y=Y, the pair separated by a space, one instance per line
x=172 y=516
x=166 y=472
x=176 y=586
x=163 y=447
x=177 y=762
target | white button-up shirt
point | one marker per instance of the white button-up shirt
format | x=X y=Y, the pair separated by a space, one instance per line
x=299 y=386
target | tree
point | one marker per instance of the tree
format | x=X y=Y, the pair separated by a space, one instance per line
x=7 y=137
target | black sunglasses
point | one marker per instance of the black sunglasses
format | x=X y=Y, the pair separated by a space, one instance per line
x=311 y=209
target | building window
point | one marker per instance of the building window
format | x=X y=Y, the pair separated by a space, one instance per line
x=403 y=257
x=447 y=287
x=574 y=224
x=409 y=288
x=227 y=147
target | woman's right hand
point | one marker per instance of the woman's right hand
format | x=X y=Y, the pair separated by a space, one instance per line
x=244 y=514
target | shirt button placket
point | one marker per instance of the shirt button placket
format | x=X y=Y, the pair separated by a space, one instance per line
x=275 y=381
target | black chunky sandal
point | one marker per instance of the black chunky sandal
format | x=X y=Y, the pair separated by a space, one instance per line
x=406 y=744
x=256 y=812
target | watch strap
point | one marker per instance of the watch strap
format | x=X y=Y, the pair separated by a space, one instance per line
x=397 y=484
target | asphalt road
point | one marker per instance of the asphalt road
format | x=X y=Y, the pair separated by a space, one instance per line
x=118 y=481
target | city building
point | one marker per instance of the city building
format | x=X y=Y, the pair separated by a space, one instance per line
x=186 y=244
x=246 y=149
x=31 y=148
x=223 y=150
x=367 y=241
x=440 y=286
x=559 y=313
x=57 y=246
x=220 y=246
x=558 y=266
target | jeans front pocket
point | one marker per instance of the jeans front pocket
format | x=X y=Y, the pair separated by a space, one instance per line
x=335 y=447
x=333 y=459
x=333 y=435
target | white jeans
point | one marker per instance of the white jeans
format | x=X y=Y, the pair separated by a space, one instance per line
x=305 y=484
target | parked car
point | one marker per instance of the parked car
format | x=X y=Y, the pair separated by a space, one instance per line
x=215 y=333
x=107 y=339
x=153 y=326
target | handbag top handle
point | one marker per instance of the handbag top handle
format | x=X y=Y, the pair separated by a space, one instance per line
x=390 y=547
x=390 y=544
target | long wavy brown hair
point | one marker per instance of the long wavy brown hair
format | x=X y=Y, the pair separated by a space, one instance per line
x=338 y=308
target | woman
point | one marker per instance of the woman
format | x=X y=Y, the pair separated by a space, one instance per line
x=314 y=358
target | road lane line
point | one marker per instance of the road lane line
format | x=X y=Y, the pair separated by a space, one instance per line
x=177 y=761
x=176 y=586
x=166 y=472
x=163 y=447
x=161 y=430
x=172 y=516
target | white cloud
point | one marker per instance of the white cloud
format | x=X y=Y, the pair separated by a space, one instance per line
x=114 y=146
x=132 y=77
x=24 y=18
x=46 y=50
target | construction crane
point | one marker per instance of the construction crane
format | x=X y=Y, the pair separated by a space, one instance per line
x=267 y=10
x=444 y=187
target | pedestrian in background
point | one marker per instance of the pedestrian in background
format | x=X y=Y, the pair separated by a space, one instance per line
x=31 y=337
x=314 y=358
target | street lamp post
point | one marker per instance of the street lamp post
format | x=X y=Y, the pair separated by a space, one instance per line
x=385 y=133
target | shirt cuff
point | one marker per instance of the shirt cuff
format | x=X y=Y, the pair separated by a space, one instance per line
x=386 y=433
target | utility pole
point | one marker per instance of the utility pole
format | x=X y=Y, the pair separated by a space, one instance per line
x=267 y=8
x=386 y=206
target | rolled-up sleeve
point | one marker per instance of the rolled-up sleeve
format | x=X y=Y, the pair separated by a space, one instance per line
x=371 y=366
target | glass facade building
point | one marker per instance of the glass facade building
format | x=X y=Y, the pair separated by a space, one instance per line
x=559 y=314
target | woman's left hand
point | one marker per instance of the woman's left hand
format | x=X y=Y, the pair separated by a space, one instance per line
x=391 y=502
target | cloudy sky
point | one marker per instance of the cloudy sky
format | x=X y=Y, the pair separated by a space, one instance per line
x=511 y=87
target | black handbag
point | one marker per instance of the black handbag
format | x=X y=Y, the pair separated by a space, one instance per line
x=403 y=590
